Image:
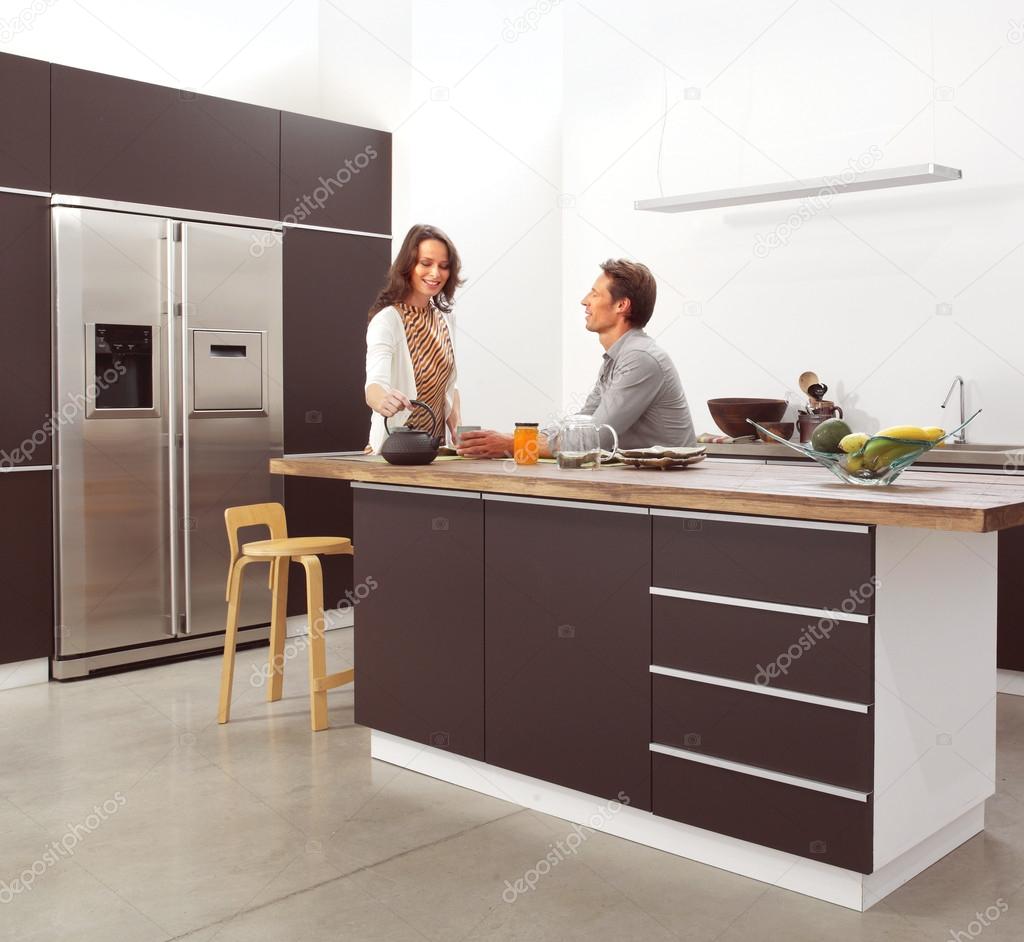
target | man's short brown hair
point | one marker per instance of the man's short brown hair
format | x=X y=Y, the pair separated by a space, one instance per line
x=634 y=281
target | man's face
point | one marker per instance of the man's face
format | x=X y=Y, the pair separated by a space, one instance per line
x=603 y=313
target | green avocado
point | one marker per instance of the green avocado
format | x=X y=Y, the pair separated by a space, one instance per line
x=827 y=436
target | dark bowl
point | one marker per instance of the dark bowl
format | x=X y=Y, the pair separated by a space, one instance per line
x=731 y=415
x=782 y=429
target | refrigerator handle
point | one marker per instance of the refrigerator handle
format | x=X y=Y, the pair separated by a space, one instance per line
x=183 y=406
x=171 y=410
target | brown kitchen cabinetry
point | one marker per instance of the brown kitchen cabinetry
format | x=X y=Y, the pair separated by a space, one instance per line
x=330 y=280
x=115 y=138
x=26 y=560
x=334 y=174
x=419 y=636
x=568 y=648
x=24 y=330
x=25 y=123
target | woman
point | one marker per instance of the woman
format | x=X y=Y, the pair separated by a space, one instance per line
x=410 y=340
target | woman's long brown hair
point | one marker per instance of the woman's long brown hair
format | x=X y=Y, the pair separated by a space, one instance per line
x=399 y=281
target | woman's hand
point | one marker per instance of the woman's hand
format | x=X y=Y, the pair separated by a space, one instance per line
x=387 y=402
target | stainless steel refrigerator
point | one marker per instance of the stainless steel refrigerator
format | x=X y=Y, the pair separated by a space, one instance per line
x=167 y=408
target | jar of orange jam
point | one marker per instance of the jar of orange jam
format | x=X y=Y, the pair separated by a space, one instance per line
x=524 y=442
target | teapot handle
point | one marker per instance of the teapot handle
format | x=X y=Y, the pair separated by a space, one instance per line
x=433 y=418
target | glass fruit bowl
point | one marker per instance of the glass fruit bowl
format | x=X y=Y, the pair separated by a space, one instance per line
x=879 y=462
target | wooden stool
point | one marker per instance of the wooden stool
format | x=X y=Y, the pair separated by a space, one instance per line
x=279 y=551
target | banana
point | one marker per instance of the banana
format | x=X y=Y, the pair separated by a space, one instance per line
x=934 y=433
x=853 y=442
x=879 y=453
x=912 y=433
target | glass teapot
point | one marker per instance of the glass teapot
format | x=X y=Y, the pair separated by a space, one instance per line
x=579 y=443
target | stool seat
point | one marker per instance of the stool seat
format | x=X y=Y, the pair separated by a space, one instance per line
x=299 y=546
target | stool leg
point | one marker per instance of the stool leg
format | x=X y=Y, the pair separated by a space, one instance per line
x=278 y=626
x=227 y=673
x=317 y=646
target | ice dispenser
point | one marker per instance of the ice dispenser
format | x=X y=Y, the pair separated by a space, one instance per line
x=227 y=371
x=122 y=366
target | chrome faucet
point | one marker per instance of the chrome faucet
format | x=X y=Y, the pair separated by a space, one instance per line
x=961 y=436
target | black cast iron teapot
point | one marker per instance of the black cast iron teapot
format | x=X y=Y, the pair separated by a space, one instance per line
x=411 y=446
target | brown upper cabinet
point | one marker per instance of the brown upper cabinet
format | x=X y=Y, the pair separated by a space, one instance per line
x=114 y=138
x=335 y=175
x=24 y=123
x=24 y=331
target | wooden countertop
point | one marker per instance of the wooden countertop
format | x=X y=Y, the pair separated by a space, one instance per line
x=933 y=500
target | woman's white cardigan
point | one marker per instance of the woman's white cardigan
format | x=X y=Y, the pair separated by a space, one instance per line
x=389 y=364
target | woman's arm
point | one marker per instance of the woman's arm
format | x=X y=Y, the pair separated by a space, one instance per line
x=380 y=352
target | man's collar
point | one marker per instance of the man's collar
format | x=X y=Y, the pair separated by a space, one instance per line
x=616 y=347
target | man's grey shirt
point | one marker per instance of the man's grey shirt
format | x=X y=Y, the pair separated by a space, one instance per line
x=638 y=393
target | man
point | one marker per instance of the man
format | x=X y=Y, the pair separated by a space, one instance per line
x=638 y=392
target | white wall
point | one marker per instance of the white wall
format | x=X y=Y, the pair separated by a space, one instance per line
x=797 y=90
x=260 y=51
x=480 y=154
x=527 y=130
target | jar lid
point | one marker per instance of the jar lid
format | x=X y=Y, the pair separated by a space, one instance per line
x=527 y=424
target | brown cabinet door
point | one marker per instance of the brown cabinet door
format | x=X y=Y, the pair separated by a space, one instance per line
x=330 y=281
x=1010 y=645
x=419 y=637
x=25 y=123
x=24 y=331
x=115 y=138
x=26 y=589
x=828 y=566
x=825 y=656
x=831 y=828
x=809 y=740
x=320 y=507
x=569 y=646
x=334 y=174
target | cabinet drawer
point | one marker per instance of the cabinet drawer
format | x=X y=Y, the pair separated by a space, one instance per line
x=822 y=743
x=816 y=655
x=827 y=566
x=832 y=829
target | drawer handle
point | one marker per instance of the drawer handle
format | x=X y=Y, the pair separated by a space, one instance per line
x=807 y=783
x=814 y=699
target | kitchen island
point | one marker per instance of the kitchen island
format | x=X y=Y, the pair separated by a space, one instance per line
x=752 y=666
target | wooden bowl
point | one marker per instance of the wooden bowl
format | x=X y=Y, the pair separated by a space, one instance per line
x=731 y=415
x=782 y=429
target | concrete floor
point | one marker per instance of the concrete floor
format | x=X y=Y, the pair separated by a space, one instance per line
x=169 y=826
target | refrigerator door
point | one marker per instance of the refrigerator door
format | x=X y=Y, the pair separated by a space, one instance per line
x=114 y=431
x=230 y=385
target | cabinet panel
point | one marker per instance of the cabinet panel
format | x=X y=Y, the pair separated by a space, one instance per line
x=25 y=123
x=115 y=138
x=568 y=647
x=24 y=330
x=320 y=507
x=1010 y=650
x=792 y=565
x=829 y=828
x=822 y=656
x=26 y=589
x=335 y=174
x=330 y=280
x=803 y=739
x=419 y=636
